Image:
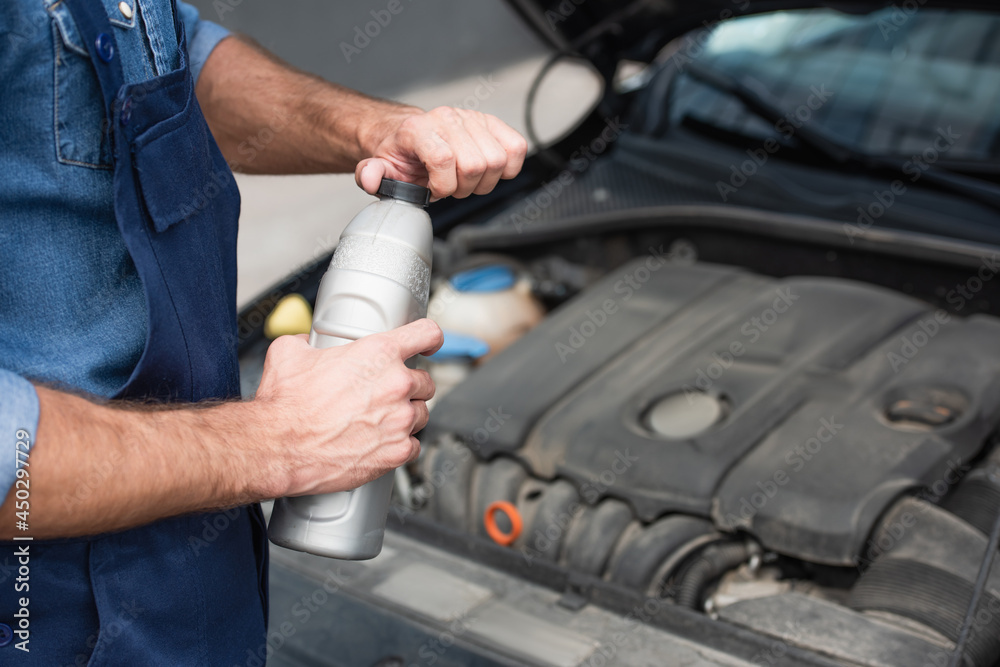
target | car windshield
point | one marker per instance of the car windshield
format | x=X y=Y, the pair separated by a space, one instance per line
x=890 y=83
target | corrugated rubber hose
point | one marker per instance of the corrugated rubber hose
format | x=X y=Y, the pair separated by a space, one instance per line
x=984 y=575
x=709 y=565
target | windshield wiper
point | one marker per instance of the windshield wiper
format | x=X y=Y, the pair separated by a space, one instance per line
x=819 y=140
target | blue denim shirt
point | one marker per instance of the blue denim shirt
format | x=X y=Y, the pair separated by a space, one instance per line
x=72 y=307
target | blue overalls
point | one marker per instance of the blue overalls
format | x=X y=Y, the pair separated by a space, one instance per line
x=188 y=591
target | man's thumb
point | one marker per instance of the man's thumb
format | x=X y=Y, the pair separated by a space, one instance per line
x=368 y=174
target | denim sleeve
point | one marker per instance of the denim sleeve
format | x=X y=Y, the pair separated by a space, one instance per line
x=18 y=412
x=202 y=37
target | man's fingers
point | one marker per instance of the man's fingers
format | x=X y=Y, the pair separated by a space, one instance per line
x=470 y=163
x=513 y=144
x=438 y=158
x=421 y=416
x=414 y=449
x=455 y=152
x=420 y=337
x=423 y=386
x=492 y=151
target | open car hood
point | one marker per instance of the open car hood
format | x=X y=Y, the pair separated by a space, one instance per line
x=607 y=31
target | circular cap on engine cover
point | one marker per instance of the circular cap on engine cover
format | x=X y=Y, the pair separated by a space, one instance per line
x=403 y=191
x=684 y=415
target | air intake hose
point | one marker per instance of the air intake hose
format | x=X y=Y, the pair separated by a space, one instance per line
x=714 y=561
x=977 y=497
x=926 y=570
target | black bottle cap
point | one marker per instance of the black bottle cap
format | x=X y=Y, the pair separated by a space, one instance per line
x=408 y=192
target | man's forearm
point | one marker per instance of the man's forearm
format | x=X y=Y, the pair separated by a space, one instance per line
x=97 y=468
x=270 y=118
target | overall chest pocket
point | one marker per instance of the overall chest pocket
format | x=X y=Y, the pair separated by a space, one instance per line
x=80 y=124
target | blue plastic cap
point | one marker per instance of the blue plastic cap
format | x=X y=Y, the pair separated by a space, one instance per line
x=493 y=278
x=459 y=346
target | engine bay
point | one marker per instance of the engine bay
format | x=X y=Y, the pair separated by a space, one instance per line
x=808 y=457
x=780 y=440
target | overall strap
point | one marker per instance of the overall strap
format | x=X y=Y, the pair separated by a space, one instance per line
x=91 y=20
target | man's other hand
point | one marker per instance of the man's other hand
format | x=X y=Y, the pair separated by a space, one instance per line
x=344 y=415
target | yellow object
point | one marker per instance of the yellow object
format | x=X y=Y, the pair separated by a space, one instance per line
x=292 y=315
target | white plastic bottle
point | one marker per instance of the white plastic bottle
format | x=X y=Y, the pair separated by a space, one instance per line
x=378 y=280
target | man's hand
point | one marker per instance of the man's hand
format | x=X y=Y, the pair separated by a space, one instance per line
x=348 y=414
x=454 y=152
x=323 y=421
x=312 y=126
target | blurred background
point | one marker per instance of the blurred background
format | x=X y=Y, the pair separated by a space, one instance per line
x=477 y=55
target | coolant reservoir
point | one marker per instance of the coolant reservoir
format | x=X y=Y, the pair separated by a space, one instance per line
x=453 y=362
x=490 y=303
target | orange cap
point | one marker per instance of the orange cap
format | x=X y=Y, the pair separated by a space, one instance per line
x=489 y=520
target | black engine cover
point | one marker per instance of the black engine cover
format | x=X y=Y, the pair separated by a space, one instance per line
x=838 y=398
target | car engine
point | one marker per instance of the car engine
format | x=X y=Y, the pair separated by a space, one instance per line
x=792 y=456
